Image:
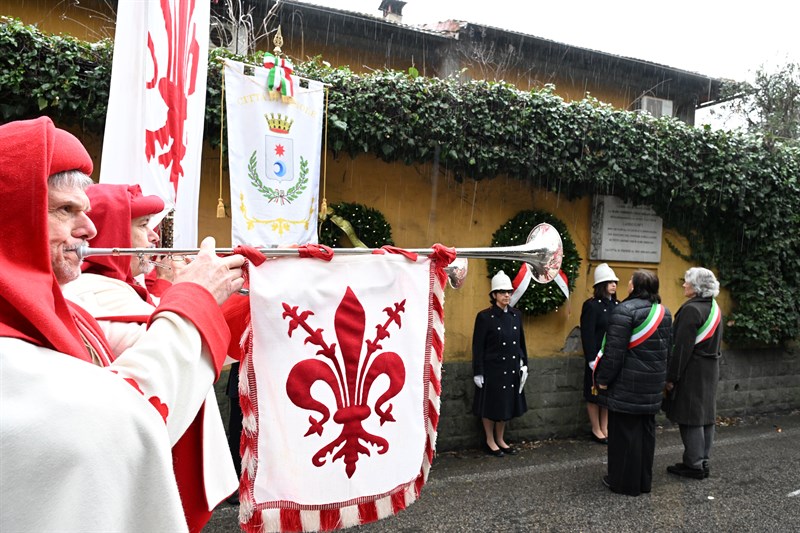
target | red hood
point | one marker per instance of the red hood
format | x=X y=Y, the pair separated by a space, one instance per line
x=111 y=214
x=32 y=307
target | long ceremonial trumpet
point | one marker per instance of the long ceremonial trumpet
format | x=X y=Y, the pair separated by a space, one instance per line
x=543 y=251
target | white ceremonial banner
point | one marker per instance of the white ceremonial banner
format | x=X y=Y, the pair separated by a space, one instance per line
x=156 y=106
x=341 y=389
x=274 y=158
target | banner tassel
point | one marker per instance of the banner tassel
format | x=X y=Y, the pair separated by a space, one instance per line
x=220 y=203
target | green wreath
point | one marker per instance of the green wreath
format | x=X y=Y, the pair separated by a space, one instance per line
x=366 y=224
x=278 y=195
x=539 y=299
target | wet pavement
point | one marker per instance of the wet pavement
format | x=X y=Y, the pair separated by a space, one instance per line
x=555 y=486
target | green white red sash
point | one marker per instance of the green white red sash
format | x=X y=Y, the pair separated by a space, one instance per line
x=643 y=331
x=593 y=364
x=711 y=324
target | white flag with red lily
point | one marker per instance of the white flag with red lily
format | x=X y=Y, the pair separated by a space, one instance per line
x=274 y=148
x=340 y=388
x=157 y=103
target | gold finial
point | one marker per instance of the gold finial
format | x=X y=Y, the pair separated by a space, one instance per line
x=278 y=42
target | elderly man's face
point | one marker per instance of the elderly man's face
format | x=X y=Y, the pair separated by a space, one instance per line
x=142 y=237
x=69 y=227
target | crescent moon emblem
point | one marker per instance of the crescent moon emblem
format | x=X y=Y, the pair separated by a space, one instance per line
x=279 y=168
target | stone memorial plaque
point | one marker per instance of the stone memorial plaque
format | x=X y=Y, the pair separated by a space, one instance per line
x=624 y=232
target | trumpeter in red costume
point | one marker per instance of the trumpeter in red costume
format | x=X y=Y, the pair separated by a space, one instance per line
x=86 y=437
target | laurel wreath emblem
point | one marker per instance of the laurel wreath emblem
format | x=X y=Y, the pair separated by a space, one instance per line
x=278 y=195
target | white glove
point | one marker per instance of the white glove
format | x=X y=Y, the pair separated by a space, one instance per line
x=478 y=381
x=523 y=377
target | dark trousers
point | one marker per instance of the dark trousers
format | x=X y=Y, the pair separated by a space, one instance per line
x=697 y=442
x=631 y=447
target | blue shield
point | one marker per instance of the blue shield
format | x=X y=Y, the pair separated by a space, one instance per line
x=280 y=154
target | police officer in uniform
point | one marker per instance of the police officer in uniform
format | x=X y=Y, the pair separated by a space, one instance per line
x=500 y=366
x=594 y=321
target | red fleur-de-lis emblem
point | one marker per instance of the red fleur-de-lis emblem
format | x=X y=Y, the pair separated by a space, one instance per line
x=349 y=376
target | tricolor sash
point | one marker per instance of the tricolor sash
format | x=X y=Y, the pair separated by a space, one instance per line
x=645 y=330
x=641 y=333
x=593 y=364
x=709 y=327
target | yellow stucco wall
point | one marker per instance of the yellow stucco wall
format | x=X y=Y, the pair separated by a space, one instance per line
x=87 y=20
x=424 y=208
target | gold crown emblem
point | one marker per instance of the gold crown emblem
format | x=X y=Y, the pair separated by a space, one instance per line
x=278 y=123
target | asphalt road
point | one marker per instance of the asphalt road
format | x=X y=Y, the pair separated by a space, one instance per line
x=555 y=486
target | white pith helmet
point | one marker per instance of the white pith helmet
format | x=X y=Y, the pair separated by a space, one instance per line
x=604 y=273
x=501 y=282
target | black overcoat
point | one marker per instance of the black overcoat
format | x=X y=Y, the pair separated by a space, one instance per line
x=594 y=322
x=498 y=351
x=635 y=376
x=693 y=368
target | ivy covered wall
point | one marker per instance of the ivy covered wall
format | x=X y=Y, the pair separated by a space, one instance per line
x=735 y=199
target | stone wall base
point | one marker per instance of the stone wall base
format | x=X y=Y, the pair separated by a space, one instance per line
x=751 y=382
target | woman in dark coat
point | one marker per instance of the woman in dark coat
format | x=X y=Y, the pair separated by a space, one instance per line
x=499 y=365
x=630 y=378
x=594 y=321
x=693 y=372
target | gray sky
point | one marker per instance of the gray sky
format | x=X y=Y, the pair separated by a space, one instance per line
x=715 y=38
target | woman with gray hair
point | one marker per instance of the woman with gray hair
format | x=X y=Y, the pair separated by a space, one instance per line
x=693 y=371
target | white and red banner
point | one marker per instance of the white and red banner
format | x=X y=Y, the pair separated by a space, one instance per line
x=520 y=283
x=274 y=148
x=563 y=283
x=340 y=388
x=156 y=107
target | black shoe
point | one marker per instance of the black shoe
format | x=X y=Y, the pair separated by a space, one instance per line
x=509 y=451
x=680 y=469
x=494 y=453
x=233 y=499
x=599 y=440
x=706 y=469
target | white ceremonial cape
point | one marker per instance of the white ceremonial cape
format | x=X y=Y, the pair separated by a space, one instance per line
x=103 y=296
x=340 y=389
x=59 y=411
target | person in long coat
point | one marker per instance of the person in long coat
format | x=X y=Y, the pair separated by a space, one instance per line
x=594 y=321
x=630 y=377
x=693 y=372
x=500 y=366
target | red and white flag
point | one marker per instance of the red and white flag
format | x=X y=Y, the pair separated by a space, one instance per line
x=156 y=107
x=563 y=283
x=340 y=389
x=520 y=283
